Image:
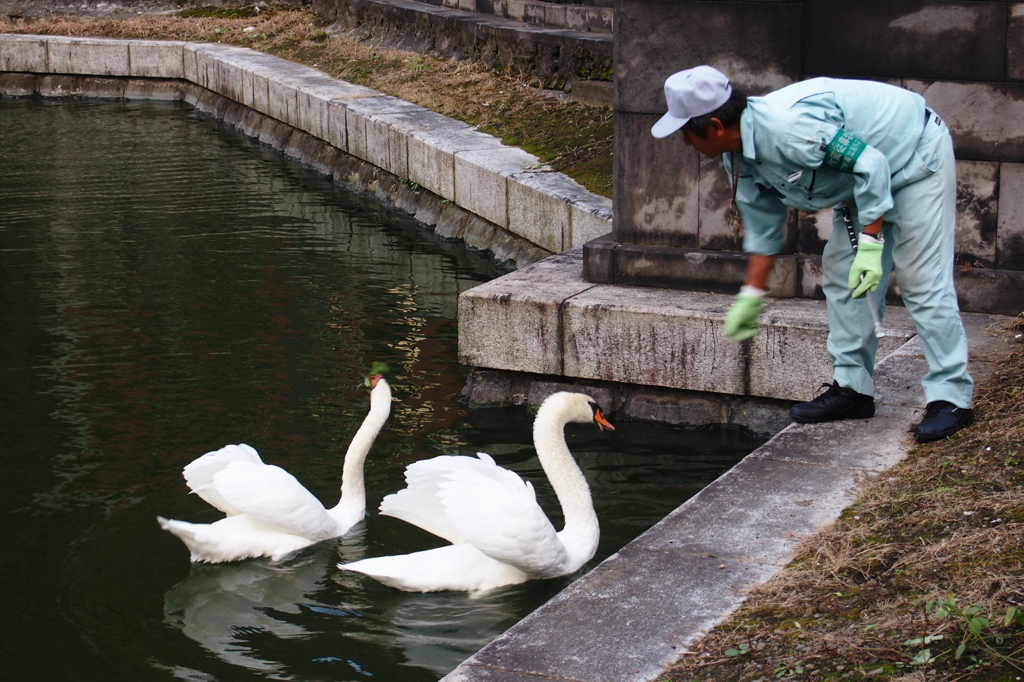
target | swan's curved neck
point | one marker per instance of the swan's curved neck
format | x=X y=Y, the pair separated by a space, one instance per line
x=353 y=489
x=567 y=479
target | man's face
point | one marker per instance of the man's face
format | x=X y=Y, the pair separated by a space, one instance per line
x=713 y=145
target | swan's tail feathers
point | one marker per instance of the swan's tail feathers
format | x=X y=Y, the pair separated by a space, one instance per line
x=233 y=539
x=458 y=568
x=200 y=473
x=188 y=532
x=185 y=531
x=394 y=571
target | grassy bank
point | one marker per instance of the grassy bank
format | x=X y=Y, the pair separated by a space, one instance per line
x=574 y=139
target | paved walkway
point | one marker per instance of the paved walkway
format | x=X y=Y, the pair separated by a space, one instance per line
x=634 y=614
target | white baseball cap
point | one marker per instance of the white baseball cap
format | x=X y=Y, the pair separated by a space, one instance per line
x=689 y=93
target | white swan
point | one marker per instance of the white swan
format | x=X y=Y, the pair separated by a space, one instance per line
x=269 y=513
x=499 y=534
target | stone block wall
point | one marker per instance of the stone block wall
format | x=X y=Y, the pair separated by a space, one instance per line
x=554 y=56
x=575 y=16
x=966 y=58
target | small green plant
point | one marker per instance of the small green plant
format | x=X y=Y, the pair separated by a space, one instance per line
x=976 y=632
x=924 y=656
x=744 y=648
x=785 y=671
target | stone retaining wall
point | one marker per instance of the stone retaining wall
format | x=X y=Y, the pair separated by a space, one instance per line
x=464 y=183
x=576 y=17
x=965 y=57
x=553 y=57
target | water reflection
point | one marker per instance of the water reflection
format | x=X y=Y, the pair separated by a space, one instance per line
x=227 y=608
x=429 y=633
x=243 y=613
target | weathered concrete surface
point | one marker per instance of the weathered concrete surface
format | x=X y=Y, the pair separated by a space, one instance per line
x=578 y=17
x=523 y=315
x=546 y=319
x=636 y=613
x=648 y=404
x=922 y=39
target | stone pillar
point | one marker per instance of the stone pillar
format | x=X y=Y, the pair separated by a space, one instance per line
x=966 y=58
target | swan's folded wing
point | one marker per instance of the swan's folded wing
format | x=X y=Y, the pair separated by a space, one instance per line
x=419 y=504
x=272 y=495
x=498 y=514
x=199 y=473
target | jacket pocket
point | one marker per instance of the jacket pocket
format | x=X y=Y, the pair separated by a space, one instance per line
x=925 y=160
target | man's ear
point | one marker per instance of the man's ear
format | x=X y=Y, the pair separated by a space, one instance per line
x=716 y=126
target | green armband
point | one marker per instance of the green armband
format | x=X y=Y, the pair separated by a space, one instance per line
x=842 y=152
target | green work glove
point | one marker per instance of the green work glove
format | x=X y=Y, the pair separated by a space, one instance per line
x=741 y=320
x=866 y=271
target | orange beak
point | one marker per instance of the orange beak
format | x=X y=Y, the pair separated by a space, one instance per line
x=601 y=422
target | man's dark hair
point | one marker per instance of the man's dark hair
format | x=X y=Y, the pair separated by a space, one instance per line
x=729 y=114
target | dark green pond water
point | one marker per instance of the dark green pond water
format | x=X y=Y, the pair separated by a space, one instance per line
x=168 y=286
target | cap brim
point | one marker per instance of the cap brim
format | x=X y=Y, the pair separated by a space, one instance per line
x=667 y=125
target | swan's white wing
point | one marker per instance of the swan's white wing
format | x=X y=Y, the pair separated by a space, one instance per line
x=273 y=496
x=497 y=512
x=418 y=503
x=200 y=472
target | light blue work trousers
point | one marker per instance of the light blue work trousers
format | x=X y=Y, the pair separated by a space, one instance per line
x=919 y=241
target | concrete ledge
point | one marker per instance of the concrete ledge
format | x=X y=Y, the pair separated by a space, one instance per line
x=552 y=321
x=156 y=59
x=23 y=54
x=432 y=155
x=87 y=56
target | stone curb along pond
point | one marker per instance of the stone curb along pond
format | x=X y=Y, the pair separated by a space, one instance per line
x=636 y=612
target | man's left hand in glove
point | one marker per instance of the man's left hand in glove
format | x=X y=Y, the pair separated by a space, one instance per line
x=866 y=271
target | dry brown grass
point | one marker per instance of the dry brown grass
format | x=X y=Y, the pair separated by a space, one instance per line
x=572 y=138
x=947 y=520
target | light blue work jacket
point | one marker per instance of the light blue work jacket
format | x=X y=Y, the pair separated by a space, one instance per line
x=785 y=136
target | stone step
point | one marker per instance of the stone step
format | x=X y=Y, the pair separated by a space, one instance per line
x=545 y=319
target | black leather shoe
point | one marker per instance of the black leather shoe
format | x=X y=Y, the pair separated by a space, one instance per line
x=941 y=420
x=834 y=404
